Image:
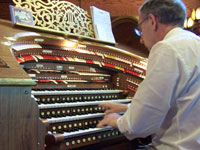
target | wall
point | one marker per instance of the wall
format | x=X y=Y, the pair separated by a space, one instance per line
x=115 y=7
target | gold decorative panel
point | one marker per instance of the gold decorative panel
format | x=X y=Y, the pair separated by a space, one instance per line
x=59 y=15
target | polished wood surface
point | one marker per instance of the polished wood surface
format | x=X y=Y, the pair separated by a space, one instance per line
x=19 y=124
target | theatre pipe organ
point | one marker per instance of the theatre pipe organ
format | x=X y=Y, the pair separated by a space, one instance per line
x=73 y=76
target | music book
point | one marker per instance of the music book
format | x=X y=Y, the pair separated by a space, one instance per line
x=102 y=24
x=21 y=16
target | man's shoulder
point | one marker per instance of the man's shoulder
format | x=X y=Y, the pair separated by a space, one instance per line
x=180 y=35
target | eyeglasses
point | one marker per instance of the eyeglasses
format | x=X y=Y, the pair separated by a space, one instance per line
x=138 y=28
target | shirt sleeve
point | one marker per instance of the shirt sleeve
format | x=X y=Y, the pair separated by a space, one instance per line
x=154 y=95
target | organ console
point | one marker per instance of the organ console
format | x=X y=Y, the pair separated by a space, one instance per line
x=73 y=75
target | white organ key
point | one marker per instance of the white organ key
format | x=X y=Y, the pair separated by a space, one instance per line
x=68 y=92
x=86 y=103
x=77 y=117
x=86 y=131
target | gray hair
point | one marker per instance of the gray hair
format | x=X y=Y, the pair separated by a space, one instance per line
x=167 y=11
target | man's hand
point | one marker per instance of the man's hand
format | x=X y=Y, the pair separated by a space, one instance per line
x=111 y=107
x=109 y=120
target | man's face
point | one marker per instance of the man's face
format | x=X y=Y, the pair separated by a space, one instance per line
x=146 y=31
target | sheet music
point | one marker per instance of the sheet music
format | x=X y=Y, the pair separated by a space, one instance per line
x=102 y=24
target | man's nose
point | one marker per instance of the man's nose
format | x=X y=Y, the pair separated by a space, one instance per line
x=141 y=39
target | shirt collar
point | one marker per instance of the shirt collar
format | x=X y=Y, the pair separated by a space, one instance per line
x=172 y=32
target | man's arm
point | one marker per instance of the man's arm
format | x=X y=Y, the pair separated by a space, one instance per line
x=109 y=120
x=110 y=107
x=154 y=96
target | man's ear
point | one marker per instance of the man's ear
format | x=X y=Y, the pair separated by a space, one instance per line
x=153 y=21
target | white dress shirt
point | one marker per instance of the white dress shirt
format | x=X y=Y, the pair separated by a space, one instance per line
x=167 y=102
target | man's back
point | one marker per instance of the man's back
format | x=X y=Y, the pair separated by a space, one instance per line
x=181 y=128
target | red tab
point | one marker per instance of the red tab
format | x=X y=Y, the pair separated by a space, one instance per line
x=89 y=61
x=50 y=57
x=109 y=65
x=132 y=89
x=28 y=57
x=131 y=72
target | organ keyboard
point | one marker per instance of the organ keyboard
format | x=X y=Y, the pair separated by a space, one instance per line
x=73 y=76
